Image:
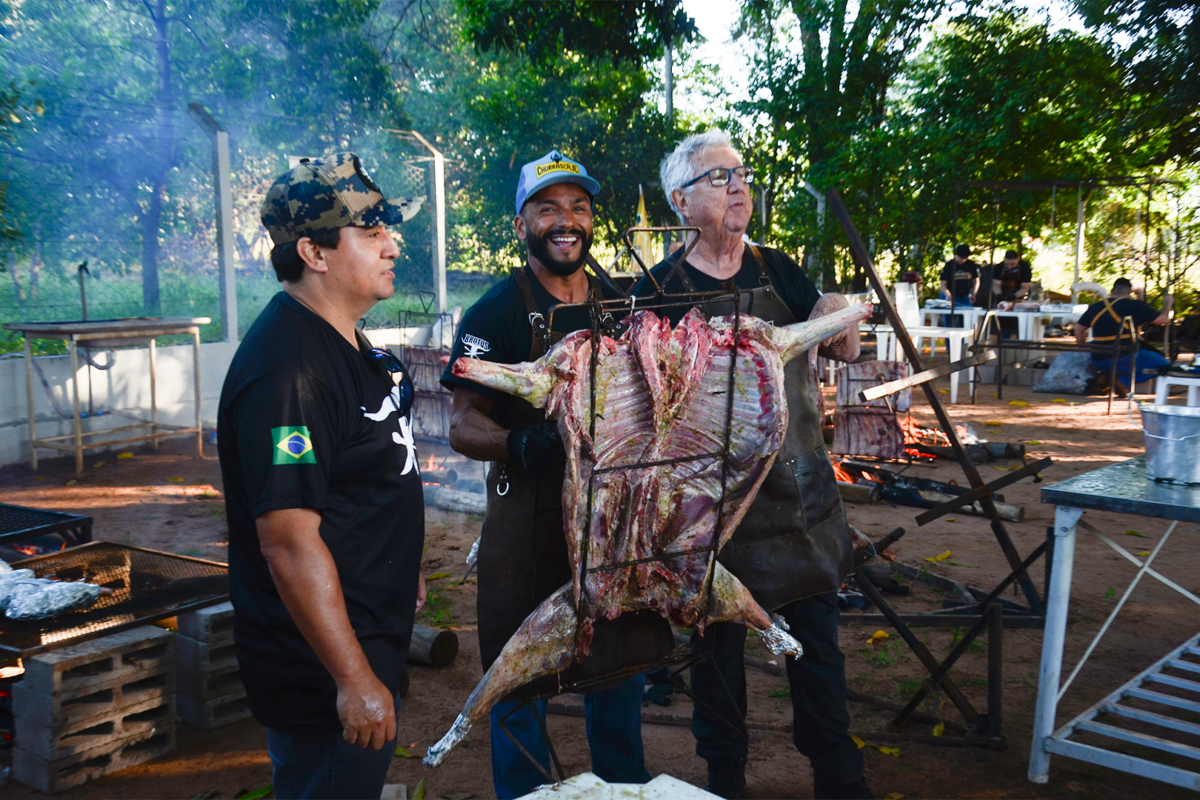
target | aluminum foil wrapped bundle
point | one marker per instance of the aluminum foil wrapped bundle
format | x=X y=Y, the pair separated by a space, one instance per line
x=10 y=582
x=43 y=602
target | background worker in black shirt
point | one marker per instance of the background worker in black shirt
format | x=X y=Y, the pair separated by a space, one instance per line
x=522 y=549
x=960 y=280
x=794 y=547
x=1104 y=319
x=1011 y=281
x=323 y=490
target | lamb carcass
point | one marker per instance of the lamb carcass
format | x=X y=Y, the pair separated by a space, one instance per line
x=662 y=399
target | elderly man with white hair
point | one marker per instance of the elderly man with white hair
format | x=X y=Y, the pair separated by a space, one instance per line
x=794 y=546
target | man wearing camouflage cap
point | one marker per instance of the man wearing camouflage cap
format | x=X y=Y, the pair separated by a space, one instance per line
x=322 y=489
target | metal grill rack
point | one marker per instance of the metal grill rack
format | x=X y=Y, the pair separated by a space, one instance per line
x=575 y=678
x=145 y=585
x=18 y=523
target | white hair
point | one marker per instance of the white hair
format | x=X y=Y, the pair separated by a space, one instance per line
x=678 y=167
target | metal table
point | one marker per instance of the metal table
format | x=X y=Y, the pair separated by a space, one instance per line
x=109 y=333
x=1121 y=488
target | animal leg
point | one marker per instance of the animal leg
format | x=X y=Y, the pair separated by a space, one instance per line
x=543 y=645
x=732 y=602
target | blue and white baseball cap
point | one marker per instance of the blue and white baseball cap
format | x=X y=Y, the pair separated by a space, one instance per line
x=550 y=169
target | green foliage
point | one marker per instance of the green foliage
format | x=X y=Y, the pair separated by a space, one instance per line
x=1159 y=44
x=618 y=31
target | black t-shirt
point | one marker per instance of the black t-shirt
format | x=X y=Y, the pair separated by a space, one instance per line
x=1102 y=323
x=960 y=277
x=790 y=282
x=307 y=421
x=497 y=329
x=1011 y=279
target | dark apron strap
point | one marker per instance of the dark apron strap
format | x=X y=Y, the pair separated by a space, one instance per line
x=537 y=322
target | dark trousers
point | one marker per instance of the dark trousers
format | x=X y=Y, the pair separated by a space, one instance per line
x=614 y=732
x=817 y=683
x=326 y=766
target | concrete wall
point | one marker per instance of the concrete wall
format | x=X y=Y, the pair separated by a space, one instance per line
x=124 y=388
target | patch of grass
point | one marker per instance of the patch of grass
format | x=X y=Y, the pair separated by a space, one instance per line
x=781 y=694
x=887 y=655
x=975 y=682
x=191 y=551
x=436 y=613
x=956 y=636
x=907 y=687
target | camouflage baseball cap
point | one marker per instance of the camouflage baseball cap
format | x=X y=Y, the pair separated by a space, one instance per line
x=319 y=195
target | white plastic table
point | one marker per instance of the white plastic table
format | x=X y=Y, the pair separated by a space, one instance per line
x=1122 y=488
x=956 y=342
x=1163 y=384
x=1029 y=323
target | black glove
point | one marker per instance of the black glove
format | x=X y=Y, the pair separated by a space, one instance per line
x=536 y=450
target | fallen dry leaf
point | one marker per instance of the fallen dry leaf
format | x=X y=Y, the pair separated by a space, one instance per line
x=1142 y=553
x=876 y=636
x=437 y=576
x=124 y=455
x=175 y=480
x=889 y=751
x=1060 y=400
x=939 y=729
x=861 y=744
x=942 y=557
x=1138 y=534
x=99 y=464
x=1019 y=403
x=993 y=423
x=893 y=796
x=1033 y=441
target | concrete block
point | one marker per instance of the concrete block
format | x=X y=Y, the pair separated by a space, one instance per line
x=204 y=657
x=53 y=742
x=213 y=625
x=205 y=686
x=56 y=775
x=118 y=658
x=213 y=713
x=88 y=702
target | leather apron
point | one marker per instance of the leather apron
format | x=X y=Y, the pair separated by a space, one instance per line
x=523 y=550
x=794 y=541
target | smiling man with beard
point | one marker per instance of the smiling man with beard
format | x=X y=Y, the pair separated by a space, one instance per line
x=522 y=550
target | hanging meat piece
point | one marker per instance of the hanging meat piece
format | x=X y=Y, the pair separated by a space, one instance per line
x=662 y=399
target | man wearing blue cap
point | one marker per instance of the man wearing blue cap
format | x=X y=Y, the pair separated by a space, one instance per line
x=522 y=550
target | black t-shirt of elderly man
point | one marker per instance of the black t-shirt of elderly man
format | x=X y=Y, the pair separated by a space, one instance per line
x=797 y=511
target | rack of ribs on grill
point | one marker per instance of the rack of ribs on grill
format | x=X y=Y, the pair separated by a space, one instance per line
x=653 y=472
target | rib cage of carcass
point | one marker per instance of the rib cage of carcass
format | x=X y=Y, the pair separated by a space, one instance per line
x=657 y=479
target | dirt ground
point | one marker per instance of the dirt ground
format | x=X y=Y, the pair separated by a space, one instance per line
x=171 y=500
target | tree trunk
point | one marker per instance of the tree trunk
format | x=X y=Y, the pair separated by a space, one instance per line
x=16 y=279
x=152 y=217
x=35 y=262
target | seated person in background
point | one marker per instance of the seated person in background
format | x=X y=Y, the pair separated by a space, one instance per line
x=1011 y=282
x=960 y=280
x=1104 y=319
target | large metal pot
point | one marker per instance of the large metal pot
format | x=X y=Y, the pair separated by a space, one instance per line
x=1172 y=443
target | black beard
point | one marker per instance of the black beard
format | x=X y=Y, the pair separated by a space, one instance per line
x=539 y=248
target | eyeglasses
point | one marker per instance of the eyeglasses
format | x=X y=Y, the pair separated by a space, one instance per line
x=400 y=376
x=720 y=176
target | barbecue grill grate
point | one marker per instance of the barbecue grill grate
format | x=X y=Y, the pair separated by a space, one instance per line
x=18 y=523
x=146 y=586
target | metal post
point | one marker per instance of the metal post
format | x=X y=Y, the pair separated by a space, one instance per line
x=439 y=238
x=78 y=426
x=196 y=378
x=223 y=209
x=153 y=394
x=995 y=670
x=29 y=398
x=1065 y=520
x=1078 y=239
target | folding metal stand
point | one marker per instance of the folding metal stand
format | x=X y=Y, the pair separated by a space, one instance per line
x=988 y=612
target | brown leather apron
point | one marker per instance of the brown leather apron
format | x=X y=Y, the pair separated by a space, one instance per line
x=794 y=541
x=523 y=551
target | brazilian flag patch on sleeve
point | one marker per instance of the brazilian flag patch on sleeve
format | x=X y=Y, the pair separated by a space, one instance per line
x=293 y=445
